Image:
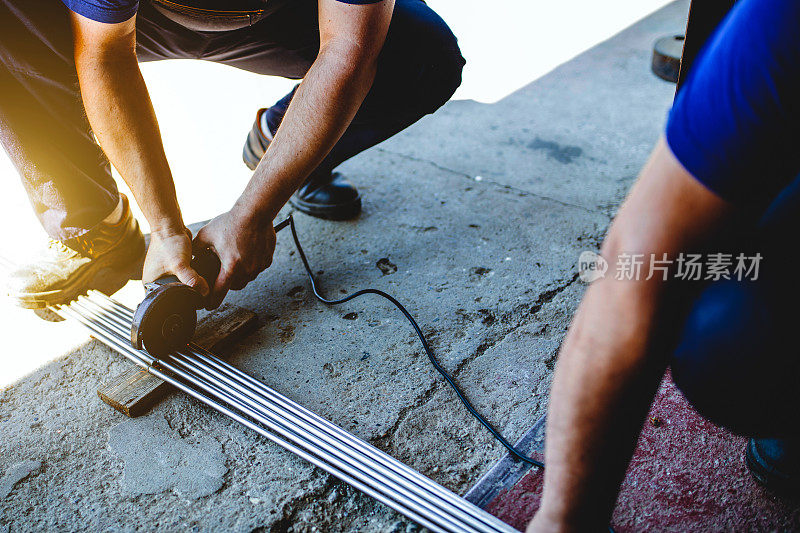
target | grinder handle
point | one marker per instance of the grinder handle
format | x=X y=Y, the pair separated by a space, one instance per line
x=206 y=263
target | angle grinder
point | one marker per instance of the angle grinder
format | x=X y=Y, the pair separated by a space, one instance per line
x=166 y=319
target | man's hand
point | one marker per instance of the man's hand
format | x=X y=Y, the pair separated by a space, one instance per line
x=244 y=247
x=171 y=253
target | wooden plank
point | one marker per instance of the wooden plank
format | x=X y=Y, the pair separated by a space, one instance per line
x=136 y=391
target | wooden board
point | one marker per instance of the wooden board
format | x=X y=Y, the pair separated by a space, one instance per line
x=136 y=391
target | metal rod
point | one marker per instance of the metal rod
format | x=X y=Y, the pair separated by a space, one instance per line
x=466 y=510
x=408 y=493
x=114 y=342
x=399 y=476
x=330 y=429
x=377 y=459
x=264 y=415
x=213 y=379
x=219 y=381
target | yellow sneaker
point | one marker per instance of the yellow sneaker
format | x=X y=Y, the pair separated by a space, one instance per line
x=68 y=268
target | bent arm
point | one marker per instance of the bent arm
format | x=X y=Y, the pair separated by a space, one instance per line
x=123 y=120
x=611 y=361
x=122 y=117
x=351 y=38
x=331 y=93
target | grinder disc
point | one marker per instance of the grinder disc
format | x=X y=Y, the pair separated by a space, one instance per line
x=165 y=320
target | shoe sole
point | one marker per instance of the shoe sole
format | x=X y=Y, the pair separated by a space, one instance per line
x=248 y=153
x=765 y=478
x=753 y=466
x=83 y=281
x=249 y=157
x=346 y=211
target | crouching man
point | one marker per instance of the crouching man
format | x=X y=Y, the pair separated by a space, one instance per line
x=724 y=181
x=73 y=99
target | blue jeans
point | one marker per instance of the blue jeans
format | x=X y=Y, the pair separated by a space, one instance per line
x=737 y=360
x=66 y=175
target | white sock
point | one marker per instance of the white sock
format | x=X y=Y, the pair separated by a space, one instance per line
x=116 y=214
x=265 y=127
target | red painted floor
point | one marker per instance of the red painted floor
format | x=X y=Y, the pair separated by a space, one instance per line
x=686 y=475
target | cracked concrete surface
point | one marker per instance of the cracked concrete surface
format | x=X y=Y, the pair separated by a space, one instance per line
x=474 y=218
x=15 y=474
x=158 y=459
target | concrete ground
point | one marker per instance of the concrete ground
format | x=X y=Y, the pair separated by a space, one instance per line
x=483 y=208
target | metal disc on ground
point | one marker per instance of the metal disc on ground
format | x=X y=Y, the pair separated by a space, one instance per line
x=667 y=57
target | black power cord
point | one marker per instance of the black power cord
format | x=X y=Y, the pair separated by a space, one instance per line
x=432 y=358
x=497 y=435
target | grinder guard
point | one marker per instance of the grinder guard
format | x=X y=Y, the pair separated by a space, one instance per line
x=167 y=317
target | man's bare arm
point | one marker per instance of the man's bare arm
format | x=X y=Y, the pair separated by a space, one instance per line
x=351 y=38
x=122 y=117
x=610 y=363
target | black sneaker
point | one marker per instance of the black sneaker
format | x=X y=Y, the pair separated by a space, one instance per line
x=328 y=196
x=331 y=197
x=775 y=464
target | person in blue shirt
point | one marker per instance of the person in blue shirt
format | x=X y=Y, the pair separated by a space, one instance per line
x=723 y=185
x=73 y=100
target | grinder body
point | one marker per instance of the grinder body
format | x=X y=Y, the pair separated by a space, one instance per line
x=166 y=319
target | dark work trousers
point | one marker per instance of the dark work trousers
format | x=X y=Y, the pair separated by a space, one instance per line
x=44 y=129
x=737 y=359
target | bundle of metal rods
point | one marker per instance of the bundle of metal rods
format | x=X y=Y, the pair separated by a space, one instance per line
x=234 y=393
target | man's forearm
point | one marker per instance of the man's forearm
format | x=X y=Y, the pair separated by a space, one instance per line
x=122 y=117
x=604 y=382
x=321 y=110
x=614 y=354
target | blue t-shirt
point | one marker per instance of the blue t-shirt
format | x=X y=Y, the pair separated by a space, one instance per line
x=735 y=123
x=113 y=11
